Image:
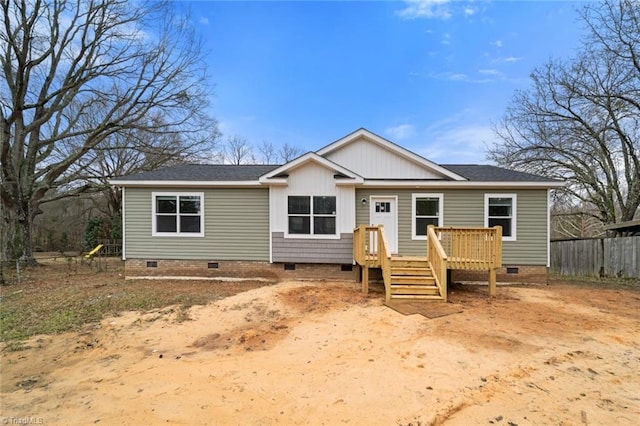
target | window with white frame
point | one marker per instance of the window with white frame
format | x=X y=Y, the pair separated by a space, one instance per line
x=178 y=214
x=500 y=210
x=427 y=210
x=311 y=215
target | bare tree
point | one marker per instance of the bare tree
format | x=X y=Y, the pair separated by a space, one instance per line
x=136 y=151
x=580 y=120
x=571 y=219
x=237 y=150
x=268 y=154
x=288 y=152
x=76 y=73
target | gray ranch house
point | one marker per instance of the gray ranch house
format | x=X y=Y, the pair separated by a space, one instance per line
x=318 y=215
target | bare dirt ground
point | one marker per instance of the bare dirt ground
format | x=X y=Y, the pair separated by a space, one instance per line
x=321 y=353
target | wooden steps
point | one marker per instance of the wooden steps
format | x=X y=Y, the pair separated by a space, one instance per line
x=412 y=279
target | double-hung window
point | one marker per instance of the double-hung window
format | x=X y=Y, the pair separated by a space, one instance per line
x=427 y=210
x=500 y=210
x=178 y=214
x=312 y=215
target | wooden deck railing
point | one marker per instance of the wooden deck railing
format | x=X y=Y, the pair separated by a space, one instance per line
x=471 y=248
x=467 y=248
x=371 y=250
x=447 y=248
x=437 y=258
x=384 y=254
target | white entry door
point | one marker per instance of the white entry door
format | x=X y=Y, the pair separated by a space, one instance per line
x=383 y=212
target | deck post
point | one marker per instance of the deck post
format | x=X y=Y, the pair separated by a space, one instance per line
x=492 y=282
x=365 y=279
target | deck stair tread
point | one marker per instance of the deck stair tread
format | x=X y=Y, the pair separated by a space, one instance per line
x=407 y=270
x=417 y=296
x=414 y=290
x=409 y=280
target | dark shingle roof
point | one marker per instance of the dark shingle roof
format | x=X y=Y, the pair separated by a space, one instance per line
x=486 y=173
x=204 y=172
x=234 y=173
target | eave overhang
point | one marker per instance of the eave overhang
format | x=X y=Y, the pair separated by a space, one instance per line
x=183 y=183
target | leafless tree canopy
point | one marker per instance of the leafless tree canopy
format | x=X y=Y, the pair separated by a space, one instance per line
x=288 y=152
x=580 y=119
x=81 y=75
x=238 y=150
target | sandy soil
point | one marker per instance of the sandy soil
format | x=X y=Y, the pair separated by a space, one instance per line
x=322 y=353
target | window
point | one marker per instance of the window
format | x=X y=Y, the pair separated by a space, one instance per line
x=312 y=215
x=500 y=210
x=383 y=207
x=178 y=214
x=427 y=210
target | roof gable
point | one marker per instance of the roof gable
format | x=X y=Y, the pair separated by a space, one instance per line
x=374 y=157
x=277 y=175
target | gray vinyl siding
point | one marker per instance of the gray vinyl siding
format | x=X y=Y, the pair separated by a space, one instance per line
x=305 y=250
x=466 y=208
x=236 y=226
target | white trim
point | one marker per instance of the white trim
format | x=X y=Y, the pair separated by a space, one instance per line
x=371 y=210
x=416 y=195
x=514 y=213
x=123 y=226
x=177 y=195
x=397 y=149
x=548 y=228
x=185 y=183
x=459 y=185
x=197 y=278
x=312 y=236
x=311 y=157
x=357 y=182
x=271 y=212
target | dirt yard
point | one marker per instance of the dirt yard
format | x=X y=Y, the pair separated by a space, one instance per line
x=324 y=354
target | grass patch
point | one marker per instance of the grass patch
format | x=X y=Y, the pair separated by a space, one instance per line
x=54 y=301
x=595 y=282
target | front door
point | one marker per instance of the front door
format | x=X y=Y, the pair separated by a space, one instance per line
x=383 y=212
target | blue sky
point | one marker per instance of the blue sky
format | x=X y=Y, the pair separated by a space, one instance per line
x=431 y=76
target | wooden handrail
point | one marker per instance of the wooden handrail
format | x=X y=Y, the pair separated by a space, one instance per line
x=384 y=256
x=371 y=250
x=437 y=258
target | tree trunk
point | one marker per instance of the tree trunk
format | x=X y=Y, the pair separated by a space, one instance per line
x=25 y=223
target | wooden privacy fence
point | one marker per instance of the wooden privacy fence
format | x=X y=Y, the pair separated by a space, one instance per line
x=609 y=257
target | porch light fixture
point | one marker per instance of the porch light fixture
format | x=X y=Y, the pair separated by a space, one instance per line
x=364 y=201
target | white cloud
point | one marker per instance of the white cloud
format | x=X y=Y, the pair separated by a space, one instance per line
x=446 y=39
x=458 y=142
x=487 y=77
x=425 y=9
x=497 y=43
x=402 y=131
x=469 y=11
x=204 y=21
x=507 y=59
x=490 y=72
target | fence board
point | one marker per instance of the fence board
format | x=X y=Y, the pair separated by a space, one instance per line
x=612 y=257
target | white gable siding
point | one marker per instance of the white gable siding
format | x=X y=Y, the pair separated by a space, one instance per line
x=313 y=179
x=372 y=161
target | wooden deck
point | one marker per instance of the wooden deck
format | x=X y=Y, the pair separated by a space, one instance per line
x=425 y=277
